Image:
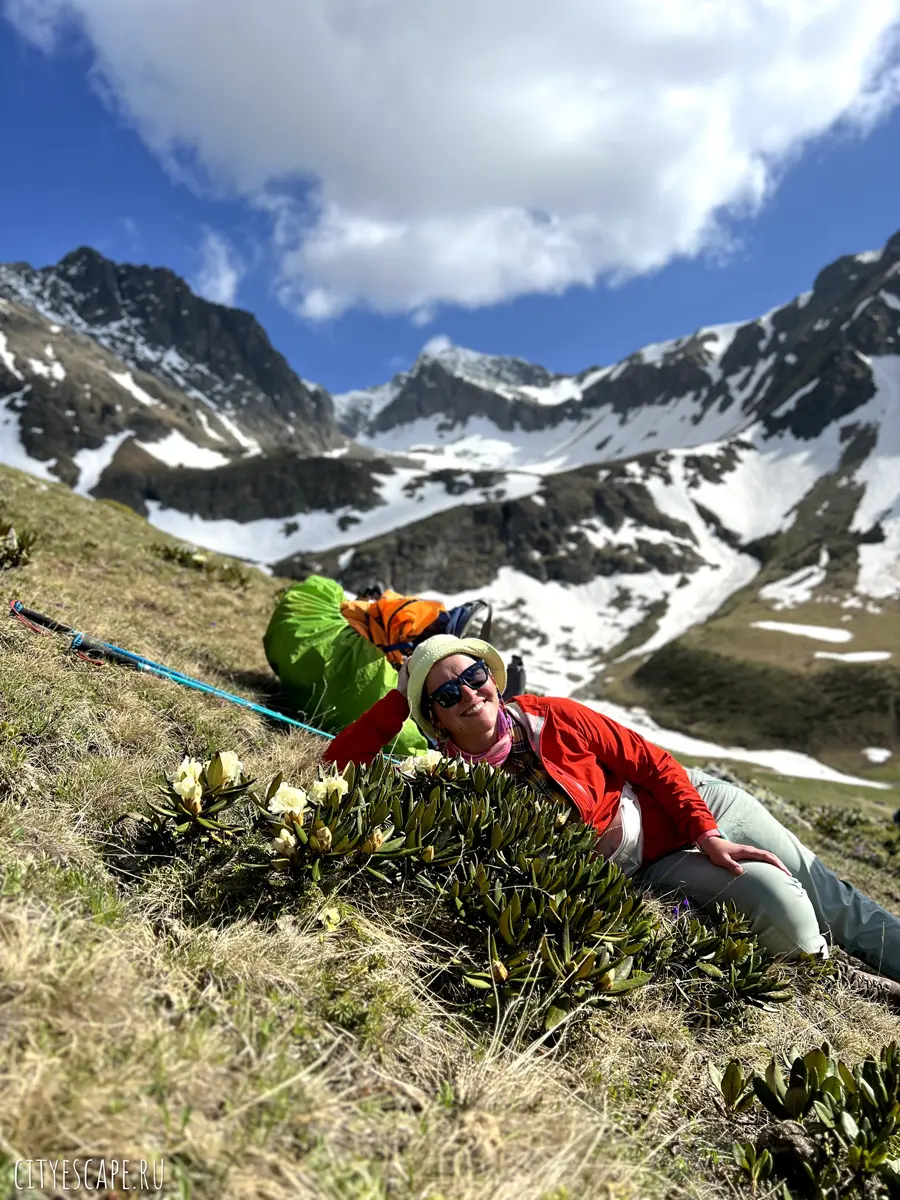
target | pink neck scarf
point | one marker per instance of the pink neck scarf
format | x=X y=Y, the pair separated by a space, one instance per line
x=495 y=755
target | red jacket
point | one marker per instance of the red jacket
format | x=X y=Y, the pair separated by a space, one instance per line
x=590 y=756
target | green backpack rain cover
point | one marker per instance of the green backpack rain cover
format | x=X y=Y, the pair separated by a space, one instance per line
x=329 y=672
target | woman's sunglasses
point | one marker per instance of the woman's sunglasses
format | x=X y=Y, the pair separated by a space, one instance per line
x=450 y=693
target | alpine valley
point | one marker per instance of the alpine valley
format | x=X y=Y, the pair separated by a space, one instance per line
x=708 y=530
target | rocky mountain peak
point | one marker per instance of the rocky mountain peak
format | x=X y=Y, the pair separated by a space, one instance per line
x=492 y=369
x=151 y=319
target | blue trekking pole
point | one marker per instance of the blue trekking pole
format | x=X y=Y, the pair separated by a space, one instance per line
x=93 y=650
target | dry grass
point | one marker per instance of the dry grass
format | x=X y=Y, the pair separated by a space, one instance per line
x=282 y=1057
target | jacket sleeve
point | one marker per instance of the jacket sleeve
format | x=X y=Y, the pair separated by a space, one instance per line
x=378 y=725
x=650 y=767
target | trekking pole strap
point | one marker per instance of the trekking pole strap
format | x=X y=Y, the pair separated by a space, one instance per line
x=18 y=609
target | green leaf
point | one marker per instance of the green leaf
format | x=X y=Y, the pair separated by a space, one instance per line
x=847 y=1126
x=817 y=1064
x=215 y=775
x=556 y=1014
x=480 y=982
x=797 y=1100
x=636 y=980
x=775 y=1080
x=711 y=970
x=732 y=1083
x=739 y=1152
x=824 y=1114
x=769 y=1100
x=764 y=1165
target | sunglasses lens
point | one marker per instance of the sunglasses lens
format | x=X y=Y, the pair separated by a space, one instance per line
x=449 y=694
x=475 y=675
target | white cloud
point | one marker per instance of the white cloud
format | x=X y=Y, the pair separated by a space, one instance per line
x=469 y=152
x=436 y=345
x=37 y=20
x=220 y=271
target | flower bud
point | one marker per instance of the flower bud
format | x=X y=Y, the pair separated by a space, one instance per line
x=320 y=839
x=194 y=803
x=373 y=842
x=285 y=844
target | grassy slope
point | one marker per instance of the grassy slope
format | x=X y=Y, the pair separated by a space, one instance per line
x=290 y=1058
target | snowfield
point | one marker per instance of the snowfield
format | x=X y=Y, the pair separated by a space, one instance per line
x=783 y=762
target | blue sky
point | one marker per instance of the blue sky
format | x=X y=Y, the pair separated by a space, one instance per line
x=78 y=167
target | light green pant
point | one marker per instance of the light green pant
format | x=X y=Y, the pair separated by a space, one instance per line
x=788 y=913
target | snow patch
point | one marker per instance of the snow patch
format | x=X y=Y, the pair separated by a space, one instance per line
x=207 y=428
x=8 y=360
x=783 y=409
x=822 y=633
x=798 y=588
x=557 y=392
x=12 y=452
x=877 y=754
x=725 y=571
x=406 y=496
x=54 y=370
x=855 y=656
x=249 y=445
x=126 y=380
x=365 y=403
x=92 y=463
x=879 y=563
x=175 y=450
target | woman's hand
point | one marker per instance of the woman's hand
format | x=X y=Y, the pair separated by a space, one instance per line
x=730 y=855
x=402 y=683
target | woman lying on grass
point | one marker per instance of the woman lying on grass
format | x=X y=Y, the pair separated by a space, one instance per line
x=676 y=830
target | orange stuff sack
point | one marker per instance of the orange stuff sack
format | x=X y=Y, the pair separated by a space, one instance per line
x=393 y=620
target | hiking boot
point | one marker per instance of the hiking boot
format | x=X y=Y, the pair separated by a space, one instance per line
x=874 y=987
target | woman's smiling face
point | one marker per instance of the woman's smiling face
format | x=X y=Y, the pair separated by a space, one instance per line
x=472 y=723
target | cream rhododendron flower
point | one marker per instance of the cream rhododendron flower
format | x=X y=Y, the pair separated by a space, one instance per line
x=190 y=769
x=232 y=767
x=418 y=764
x=288 y=800
x=334 y=785
x=188 y=789
x=285 y=843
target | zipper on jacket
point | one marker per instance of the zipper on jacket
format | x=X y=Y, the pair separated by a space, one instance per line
x=549 y=770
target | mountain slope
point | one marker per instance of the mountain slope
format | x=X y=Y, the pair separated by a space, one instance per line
x=606 y=515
